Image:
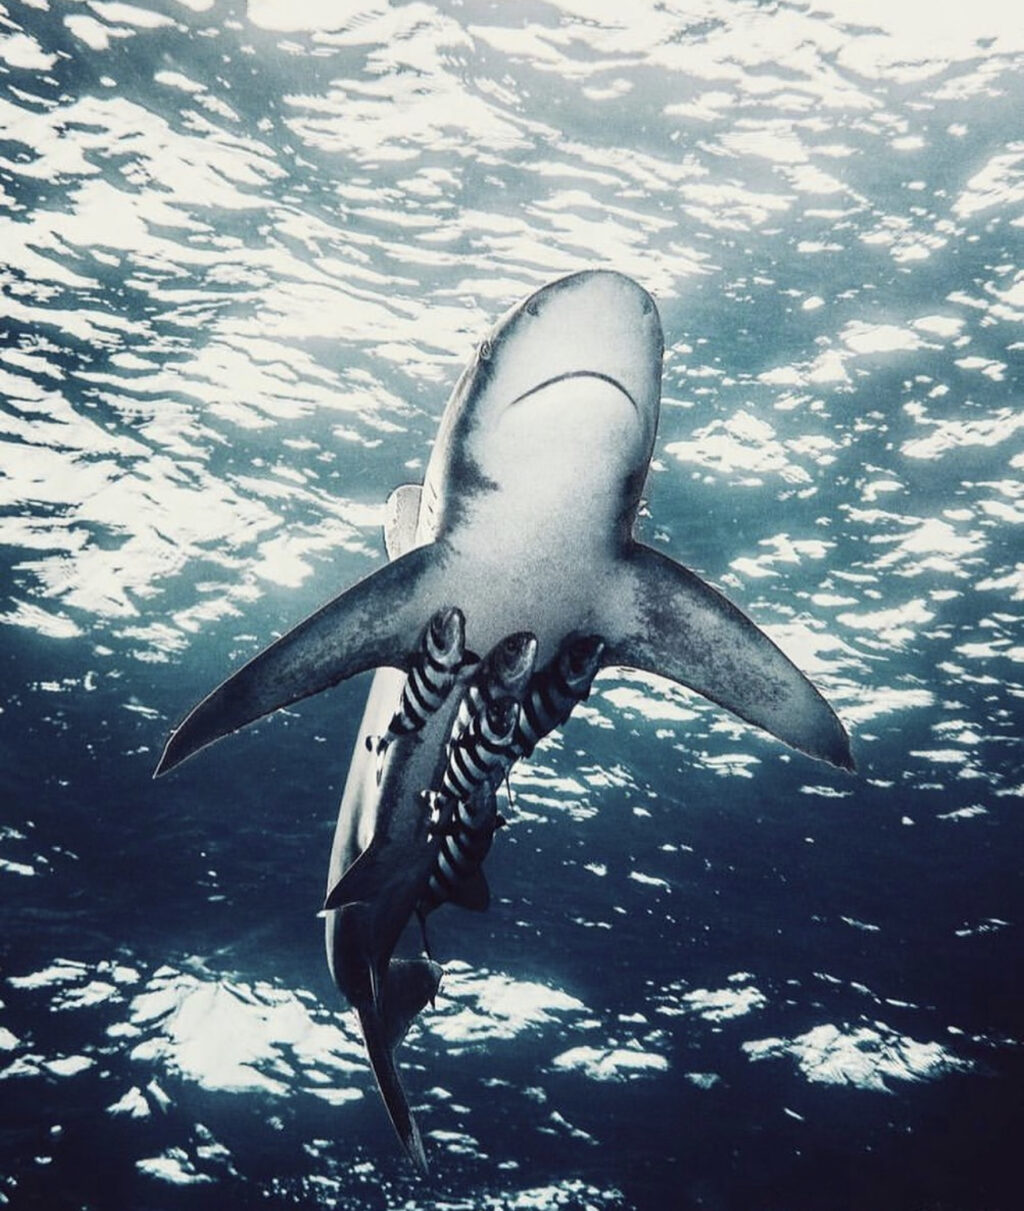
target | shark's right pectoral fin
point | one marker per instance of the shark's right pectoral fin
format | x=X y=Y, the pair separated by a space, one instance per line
x=376 y=622
x=666 y=620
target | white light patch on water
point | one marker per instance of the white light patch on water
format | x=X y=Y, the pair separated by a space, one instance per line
x=746 y=447
x=704 y=1080
x=724 y=1004
x=940 y=325
x=475 y=1007
x=133 y=1104
x=1011 y=582
x=240 y=1038
x=129 y=14
x=571 y=1193
x=16 y=868
x=867 y=338
x=70 y=1065
x=173 y=1167
x=610 y=1064
x=866 y=1057
x=893 y=627
x=654 y=703
x=62 y=971
x=24 y=52
x=964 y=813
x=93 y=33
x=781 y=549
x=931 y=545
x=649 y=880
x=305 y=16
x=1000 y=183
x=951 y=435
x=729 y=765
x=412 y=100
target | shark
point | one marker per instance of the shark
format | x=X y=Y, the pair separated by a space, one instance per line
x=525 y=521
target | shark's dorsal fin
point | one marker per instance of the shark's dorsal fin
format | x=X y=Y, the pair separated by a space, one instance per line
x=376 y=622
x=401 y=517
x=663 y=618
x=472 y=892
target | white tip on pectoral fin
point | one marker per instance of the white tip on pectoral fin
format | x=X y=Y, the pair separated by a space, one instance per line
x=679 y=627
x=376 y=622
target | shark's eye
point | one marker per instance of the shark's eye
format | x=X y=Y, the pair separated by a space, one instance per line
x=485 y=351
x=532 y=307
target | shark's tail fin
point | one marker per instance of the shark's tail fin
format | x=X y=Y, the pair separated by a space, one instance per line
x=408 y=986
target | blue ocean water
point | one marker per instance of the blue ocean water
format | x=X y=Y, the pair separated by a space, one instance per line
x=244 y=253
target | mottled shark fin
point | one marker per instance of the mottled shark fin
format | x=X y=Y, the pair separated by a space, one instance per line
x=376 y=622
x=666 y=620
x=401 y=518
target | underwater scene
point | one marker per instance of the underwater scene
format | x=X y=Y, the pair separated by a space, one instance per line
x=246 y=251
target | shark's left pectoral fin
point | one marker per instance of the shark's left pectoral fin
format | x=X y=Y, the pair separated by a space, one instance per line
x=666 y=620
x=376 y=622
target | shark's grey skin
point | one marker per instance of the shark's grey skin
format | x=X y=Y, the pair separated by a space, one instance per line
x=525 y=522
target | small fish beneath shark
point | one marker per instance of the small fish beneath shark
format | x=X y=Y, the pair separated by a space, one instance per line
x=526 y=518
x=442 y=656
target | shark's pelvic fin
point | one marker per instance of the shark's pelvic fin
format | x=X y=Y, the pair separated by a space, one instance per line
x=376 y=622
x=357 y=883
x=687 y=631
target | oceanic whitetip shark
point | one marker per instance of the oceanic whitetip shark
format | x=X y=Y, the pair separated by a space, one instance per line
x=524 y=522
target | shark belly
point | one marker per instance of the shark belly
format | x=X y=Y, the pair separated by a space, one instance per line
x=524 y=522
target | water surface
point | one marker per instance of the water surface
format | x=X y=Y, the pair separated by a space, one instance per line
x=246 y=250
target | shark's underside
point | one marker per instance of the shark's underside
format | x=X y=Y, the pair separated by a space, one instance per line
x=525 y=523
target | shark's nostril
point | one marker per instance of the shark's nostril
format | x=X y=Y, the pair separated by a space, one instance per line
x=648 y=305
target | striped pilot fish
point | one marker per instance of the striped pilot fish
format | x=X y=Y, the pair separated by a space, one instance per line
x=439 y=660
x=482 y=752
x=504 y=672
x=464 y=813
x=466 y=836
x=555 y=690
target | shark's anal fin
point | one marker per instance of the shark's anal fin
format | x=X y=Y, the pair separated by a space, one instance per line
x=683 y=629
x=376 y=622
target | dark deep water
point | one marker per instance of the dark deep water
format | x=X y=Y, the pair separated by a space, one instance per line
x=245 y=252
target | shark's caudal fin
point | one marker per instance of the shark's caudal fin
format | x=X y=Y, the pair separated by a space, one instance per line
x=409 y=985
x=376 y=622
x=683 y=629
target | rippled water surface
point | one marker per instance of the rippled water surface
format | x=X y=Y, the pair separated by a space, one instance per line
x=245 y=252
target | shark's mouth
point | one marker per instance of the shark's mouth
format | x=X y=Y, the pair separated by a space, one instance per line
x=559 y=378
